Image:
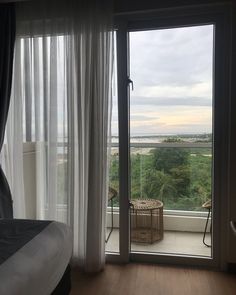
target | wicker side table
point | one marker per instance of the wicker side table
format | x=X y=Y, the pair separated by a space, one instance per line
x=146 y=220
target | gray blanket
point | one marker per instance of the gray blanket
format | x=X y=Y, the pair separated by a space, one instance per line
x=15 y=233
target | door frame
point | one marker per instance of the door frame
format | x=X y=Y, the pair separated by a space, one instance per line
x=219 y=15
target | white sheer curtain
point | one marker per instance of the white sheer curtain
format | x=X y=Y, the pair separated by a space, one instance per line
x=63 y=64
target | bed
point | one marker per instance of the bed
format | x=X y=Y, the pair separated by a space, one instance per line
x=34 y=257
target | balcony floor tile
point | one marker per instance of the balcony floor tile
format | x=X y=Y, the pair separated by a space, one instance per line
x=189 y=243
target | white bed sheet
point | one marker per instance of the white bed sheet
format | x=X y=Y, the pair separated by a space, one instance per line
x=38 y=266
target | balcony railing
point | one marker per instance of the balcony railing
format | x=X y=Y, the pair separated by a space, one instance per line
x=166 y=145
x=195 y=174
x=141 y=153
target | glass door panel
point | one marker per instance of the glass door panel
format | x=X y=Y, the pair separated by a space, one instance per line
x=113 y=208
x=171 y=140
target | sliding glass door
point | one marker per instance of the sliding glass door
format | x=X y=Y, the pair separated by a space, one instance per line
x=171 y=140
x=170 y=169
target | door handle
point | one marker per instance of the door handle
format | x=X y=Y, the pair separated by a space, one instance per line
x=129 y=81
x=233 y=227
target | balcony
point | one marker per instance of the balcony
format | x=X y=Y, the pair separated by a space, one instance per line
x=184 y=218
x=183 y=228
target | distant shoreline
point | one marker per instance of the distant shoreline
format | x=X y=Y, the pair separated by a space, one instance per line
x=189 y=138
x=169 y=135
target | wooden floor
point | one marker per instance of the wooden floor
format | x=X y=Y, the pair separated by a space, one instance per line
x=141 y=279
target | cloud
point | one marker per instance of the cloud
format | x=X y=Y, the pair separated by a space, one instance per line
x=171 y=101
x=139 y=117
x=180 y=56
x=203 y=90
x=172 y=74
x=166 y=120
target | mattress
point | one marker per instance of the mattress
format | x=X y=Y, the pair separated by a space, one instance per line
x=39 y=262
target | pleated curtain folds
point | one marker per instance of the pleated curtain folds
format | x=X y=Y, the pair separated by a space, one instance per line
x=63 y=71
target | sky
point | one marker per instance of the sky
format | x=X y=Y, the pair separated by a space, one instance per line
x=172 y=74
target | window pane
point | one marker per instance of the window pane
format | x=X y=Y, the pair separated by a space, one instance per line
x=171 y=136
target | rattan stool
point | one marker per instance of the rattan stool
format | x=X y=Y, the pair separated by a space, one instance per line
x=146 y=220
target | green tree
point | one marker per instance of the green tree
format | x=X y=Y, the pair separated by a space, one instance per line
x=180 y=177
x=114 y=171
x=159 y=185
x=168 y=158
